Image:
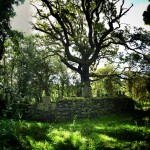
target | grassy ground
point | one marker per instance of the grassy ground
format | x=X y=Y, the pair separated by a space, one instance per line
x=106 y=132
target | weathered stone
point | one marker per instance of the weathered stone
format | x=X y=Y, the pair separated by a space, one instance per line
x=98 y=93
x=45 y=104
x=86 y=91
x=67 y=109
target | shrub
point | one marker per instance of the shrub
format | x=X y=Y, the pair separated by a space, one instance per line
x=9 y=136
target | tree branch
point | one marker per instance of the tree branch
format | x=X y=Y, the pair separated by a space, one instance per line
x=58 y=18
x=69 y=65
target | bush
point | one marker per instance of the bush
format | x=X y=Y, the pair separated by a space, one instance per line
x=15 y=111
x=9 y=136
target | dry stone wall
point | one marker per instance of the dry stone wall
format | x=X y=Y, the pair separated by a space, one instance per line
x=65 y=110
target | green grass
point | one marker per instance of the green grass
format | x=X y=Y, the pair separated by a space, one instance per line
x=106 y=132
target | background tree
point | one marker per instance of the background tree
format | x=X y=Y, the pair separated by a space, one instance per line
x=140 y=62
x=30 y=73
x=146 y=15
x=137 y=72
x=30 y=70
x=7 y=12
x=83 y=32
x=108 y=85
x=135 y=86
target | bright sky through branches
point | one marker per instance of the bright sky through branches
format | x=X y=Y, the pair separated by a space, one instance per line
x=134 y=17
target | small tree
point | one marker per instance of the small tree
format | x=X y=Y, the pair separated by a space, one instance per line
x=83 y=32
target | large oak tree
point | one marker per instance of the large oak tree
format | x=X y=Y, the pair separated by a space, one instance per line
x=82 y=31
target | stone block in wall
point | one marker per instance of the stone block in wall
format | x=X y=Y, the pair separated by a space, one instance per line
x=42 y=106
x=53 y=106
x=45 y=104
x=86 y=91
x=67 y=109
x=46 y=100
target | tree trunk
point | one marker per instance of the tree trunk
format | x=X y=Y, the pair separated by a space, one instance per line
x=130 y=84
x=85 y=81
x=62 y=88
x=46 y=89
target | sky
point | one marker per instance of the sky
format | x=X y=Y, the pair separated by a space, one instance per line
x=134 y=16
x=138 y=1
x=22 y=20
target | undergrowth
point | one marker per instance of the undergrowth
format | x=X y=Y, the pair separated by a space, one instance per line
x=106 y=132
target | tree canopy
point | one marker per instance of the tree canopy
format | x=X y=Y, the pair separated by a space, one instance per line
x=7 y=12
x=82 y=32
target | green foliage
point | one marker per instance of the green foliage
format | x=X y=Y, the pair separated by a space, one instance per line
x=31 y=73
x=107 y=132
x=82 y=32
x=97 y=98
x=75 y=98
x=140 y=60
x=136 y=87
x=15 y=110
x=108 y=84
x=146 y=15
x=67 y=140
x=7 y=12
x=9 y=136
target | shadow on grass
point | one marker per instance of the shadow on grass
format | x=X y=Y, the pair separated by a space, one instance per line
x=36 y=131
x=108 y=132
x=116 y=134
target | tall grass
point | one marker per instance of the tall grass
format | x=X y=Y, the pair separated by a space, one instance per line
x=106 y=132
